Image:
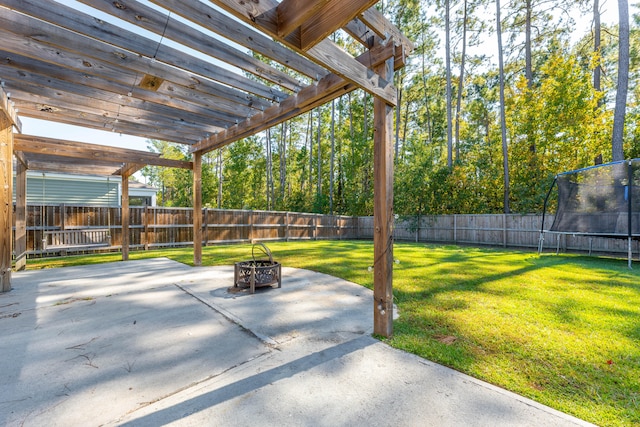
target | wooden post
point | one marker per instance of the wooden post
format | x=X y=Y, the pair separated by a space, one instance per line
x=197 y=208
x=205 y=233
x=286 y=229
x=6 y=200
x=383 y=211
x=125 y=217
x=504 y=230
x=63 y=216
x=146 y=227
x=21 y=216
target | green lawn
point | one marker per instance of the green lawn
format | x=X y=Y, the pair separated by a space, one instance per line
x=562 y=330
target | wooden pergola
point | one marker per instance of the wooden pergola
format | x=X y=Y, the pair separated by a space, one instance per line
x=196 y=72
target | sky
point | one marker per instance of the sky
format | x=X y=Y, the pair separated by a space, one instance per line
x=74 y=133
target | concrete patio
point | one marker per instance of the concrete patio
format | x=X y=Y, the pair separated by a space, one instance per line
x=156 y=342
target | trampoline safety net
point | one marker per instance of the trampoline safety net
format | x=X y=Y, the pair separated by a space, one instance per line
x=602 y=200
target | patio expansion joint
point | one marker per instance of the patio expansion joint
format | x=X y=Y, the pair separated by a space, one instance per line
x=268 y=341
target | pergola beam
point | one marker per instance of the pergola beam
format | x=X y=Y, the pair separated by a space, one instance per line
x=328 y=88
x=111 y=66
x=80 y=150
x=263 y=15
x=145 y=17
x=293 y=13
x=109 y=41
x=51 y=112
x=36 y=162
x=201 y=14
x=328 y=19
x=106 y=113
x=192 y=108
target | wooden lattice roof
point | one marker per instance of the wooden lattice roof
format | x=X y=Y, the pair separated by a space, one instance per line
x=202 y=73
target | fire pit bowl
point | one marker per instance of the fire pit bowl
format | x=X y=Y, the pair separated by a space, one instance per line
x=257 y=272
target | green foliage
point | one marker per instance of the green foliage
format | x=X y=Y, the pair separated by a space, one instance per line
x=556 y=125
x=174 y=184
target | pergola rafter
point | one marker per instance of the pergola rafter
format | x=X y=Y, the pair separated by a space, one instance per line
x=199 y=73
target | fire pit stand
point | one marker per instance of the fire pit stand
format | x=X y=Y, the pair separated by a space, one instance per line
x=257 y=272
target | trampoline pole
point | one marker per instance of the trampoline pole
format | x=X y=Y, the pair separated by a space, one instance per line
x=540 y=242
x=629 y=254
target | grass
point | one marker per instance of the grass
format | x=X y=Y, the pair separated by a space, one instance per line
x=562 y=330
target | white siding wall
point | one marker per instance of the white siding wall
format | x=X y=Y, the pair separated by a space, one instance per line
x=79 y=190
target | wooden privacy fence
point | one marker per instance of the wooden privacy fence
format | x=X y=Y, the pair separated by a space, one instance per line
x=53 y=229
x=504 y=230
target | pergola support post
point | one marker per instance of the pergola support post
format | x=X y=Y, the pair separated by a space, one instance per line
x=21 y=217
x=383 y=211
x=6 y=200
x=125 y=217
x=197 y=208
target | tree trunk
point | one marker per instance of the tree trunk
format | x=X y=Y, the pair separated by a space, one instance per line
x=447 y=55
x=333 y=154
x=283 y=160
x=623 y=82
x=597 y=71
x=340 y=197
x=461 y=79
x=319 y=158
x=363 y=168
x=220 y=176
x=426 y=95
x=404 y=129
x=398 y=117
x=528 y=63
x=310 y=133
x=503 y=121
x=269 y=168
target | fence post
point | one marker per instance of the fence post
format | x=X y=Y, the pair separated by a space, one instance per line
x=286 y=228
x=63 y=216
x=455 y=228
x=315 y=227
x=145 y=223
x=250 y=216
x=206 y=227
x=355 y=221
x=504 y=230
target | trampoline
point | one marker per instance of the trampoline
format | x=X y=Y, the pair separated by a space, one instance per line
x=598 y=201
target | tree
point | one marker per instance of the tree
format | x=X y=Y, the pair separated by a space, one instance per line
x=562 y=112
x=447 y=25
x=623 y=82
x=597 y=40
x=463 y=57
x=503 y=122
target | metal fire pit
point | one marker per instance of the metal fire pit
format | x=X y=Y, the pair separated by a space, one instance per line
x=257 y=272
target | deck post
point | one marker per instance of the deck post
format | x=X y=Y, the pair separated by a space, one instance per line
x=21 y=216
x=197 y=208
x=125 y=217
x=6 y=200
x=383 y=211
